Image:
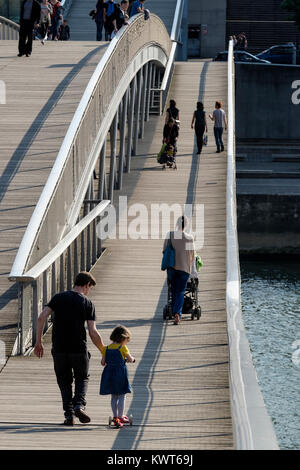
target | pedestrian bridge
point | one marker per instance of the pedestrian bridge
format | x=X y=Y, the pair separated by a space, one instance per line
x=81 y=125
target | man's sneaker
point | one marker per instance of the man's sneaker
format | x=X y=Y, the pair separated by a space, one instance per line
x=124 y=420
x=69 y=421
x=82 y=416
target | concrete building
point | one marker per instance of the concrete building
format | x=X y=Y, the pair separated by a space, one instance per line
x=206 y=27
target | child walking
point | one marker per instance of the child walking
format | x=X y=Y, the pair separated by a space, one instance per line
x=114 y=380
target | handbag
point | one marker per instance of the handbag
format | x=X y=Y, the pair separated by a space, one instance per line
x=160 y=153
x=205 y=139
x=199 y=263
x=168 y=259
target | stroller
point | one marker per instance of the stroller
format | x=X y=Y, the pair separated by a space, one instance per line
x=166 y=157
x=190 y=305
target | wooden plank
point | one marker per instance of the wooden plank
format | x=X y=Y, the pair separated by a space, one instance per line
x=180 y=382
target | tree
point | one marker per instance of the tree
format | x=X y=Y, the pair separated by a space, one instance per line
x=292 y=6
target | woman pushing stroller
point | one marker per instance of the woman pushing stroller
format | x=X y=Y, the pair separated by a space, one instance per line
x=170 y=136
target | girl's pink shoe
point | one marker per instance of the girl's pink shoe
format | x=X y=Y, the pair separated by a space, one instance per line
x=124 y=420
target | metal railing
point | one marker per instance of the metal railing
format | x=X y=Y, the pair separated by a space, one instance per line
x=122 y=81
x=251 y=423
x=175 y=35
x=77 y=251
x=8 y=29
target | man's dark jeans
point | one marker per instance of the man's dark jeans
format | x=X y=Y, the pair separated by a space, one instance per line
x=218 y=131
x=68 y=366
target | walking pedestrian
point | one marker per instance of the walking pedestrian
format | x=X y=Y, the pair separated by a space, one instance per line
x=178 y=275
x=108 y=16
x=71 y=310
x=45 y=20
x=99 y=19
x=114 y=380
x=30 y=13
x=172 y=112
x=56 y=19
x=199 y=118
x=219 y=117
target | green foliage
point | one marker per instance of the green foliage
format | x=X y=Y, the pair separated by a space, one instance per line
x=293 y=6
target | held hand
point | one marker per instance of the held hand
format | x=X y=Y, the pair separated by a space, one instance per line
x=39 y=350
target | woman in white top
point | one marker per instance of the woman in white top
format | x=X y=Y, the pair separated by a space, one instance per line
x=183 y=244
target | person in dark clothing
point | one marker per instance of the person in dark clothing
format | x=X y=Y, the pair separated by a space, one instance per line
x=108 y=16
x=70 y=310
x=170 y=133
x=64 y=31
x=172 y=112
x=199 y=118
x=120 y=16
x=99 y=19
x=29 y=14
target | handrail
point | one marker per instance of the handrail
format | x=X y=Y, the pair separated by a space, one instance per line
x=177 y=20
x=8 y=29
x=29 y=238
x=37 y=270
x=251 y=423
x=175 y=40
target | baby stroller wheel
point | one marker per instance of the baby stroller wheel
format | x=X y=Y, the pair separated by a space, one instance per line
x=170 y=312
x=165 y=312
x=130 y=417
x=198 y=312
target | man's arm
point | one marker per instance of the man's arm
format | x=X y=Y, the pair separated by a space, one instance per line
x=39 y=348
x=94 y=335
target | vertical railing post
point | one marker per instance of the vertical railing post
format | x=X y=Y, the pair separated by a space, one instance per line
x=148 y=95
x=113 y=138
x=102 y=173
x=144 y=96
x=130 y=124
x=34 y=310
x=122 y=138
x=69 y=268
x=137 y=111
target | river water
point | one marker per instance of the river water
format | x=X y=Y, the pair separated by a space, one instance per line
x=271 y=312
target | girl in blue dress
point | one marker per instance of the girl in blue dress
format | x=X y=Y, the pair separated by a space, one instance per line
x=114 y=380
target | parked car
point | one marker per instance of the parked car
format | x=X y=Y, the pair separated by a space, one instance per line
x=281 y=54
x=241 y=56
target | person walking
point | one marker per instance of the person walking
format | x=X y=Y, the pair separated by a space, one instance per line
x=30 y=13
x=170 y=133
x=114 y=379
x=99 y=19
x=108 y=16
x=199 y=118
x=219 y=117
x=172 y=112
x=45 y=20
x=70 y=310
x=178 y=275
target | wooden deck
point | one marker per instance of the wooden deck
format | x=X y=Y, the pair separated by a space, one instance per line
x=180 y=381
x=42 y=93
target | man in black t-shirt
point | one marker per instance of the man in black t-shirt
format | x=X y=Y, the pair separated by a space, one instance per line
x=70 y=310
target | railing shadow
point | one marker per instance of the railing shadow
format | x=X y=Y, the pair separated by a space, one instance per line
x=19 y=154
